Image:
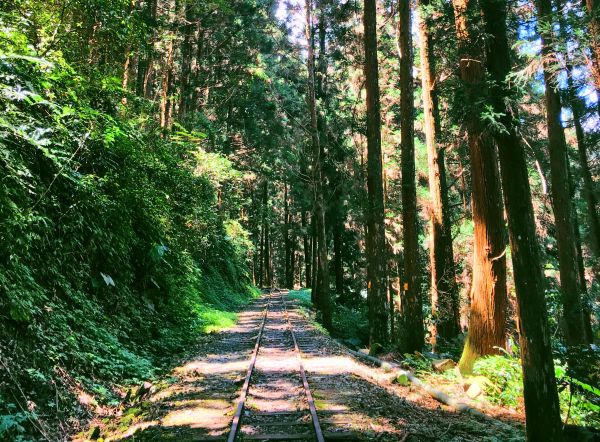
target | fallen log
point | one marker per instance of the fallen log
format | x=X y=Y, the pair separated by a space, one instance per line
x=433 y=392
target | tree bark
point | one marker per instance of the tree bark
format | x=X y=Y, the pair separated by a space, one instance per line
x=323 y=295
x=315 y=259
x=307 y=251
x=575 y=104
x=487 y=327
x=286 y=237
x=187 y=29
x=560 y=185
x=263 y=222
x=444 y=289
x=338 y=230
x=541 y=399
x=413 y=333
x=375 y=237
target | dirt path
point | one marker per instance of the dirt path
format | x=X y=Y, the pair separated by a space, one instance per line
x=198 y=401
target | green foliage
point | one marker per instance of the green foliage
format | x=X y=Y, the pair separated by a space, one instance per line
x=352 y=323
x=112 y=255
x=579 y=401
x=504 y=372
x=302 y=297
x=416 y=362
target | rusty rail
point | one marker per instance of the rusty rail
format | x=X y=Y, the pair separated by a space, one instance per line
x=237 y=417
x=311 y=402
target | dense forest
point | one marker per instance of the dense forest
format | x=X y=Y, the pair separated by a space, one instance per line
x=428 y=170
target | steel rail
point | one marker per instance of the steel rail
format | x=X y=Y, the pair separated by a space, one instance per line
x=311 y=402
x=237 y=417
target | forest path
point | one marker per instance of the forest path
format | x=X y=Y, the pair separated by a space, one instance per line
x=353 y=401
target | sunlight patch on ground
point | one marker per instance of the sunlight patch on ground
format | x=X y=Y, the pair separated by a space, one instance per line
x=196 y=417
x=213 y=367
x=132 y=430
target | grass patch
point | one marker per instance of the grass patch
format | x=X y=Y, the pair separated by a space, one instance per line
x=214 y=320
x=302 y=297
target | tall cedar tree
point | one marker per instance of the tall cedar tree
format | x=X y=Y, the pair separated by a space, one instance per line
x=375 y=237
x=560 y=184
x=488 y=293
x=444 y=289
x=306 y=239
x=323 y=296
x=577 y=107
x=541 y=399
x=412 y=309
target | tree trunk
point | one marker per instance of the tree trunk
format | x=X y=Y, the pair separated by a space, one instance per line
x=167 y=80
x=147 y=81
x=307 y=251
x=315 y=260
x=323 y=295
x=375 y=238
x=586 y=311
x=338 y=229
x=286 y=236
x=576 y=105
x=541 y=399
x=261 y=257
x=561 y=201
x=187 y=29
x=487 y=327
x=413 y=333
x=444 y=289
x=292 y=277
x=588 y=186
x=266 y=282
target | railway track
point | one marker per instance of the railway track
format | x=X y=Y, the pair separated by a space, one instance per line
x=276 y=403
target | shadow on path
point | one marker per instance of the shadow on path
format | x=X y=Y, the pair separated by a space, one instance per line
x=351 y=398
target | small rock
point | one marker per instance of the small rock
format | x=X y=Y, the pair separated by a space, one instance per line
x=386 y=367
x=144 y=389
x=474 y=390
x=443 y=364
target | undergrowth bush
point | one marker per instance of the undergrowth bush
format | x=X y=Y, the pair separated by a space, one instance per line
x=113 y=256
x=579 y=401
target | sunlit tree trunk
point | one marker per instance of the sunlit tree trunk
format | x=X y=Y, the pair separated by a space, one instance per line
x=487 y=327
x=541 y=399
x=444 y=289
x=375 y=235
